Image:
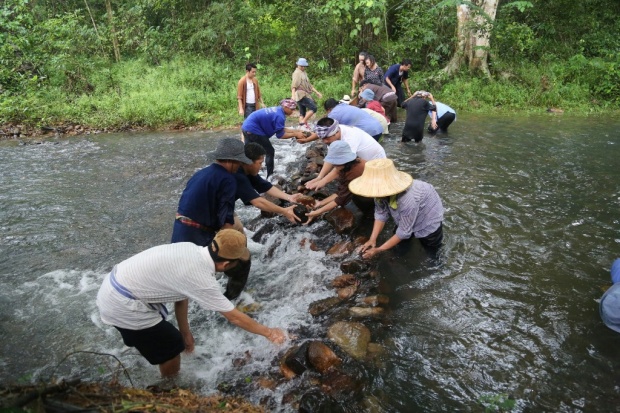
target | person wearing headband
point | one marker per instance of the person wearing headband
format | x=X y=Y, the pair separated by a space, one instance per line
x=362 y=145
x=264 y=123
x=414 y=206
x=133 y=297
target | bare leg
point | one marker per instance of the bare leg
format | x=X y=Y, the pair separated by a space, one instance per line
x=308 y=116
x=171 y=367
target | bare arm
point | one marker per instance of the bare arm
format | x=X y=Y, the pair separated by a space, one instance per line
x=180 y=311
x=236 y=317
x=327 y=167
x=267 y=206
x=292 y=133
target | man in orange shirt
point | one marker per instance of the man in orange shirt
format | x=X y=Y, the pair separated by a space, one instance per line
x=248 y=92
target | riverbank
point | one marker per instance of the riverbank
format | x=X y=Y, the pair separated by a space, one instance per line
x=193 y=92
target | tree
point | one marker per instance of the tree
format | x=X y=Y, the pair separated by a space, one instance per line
x=475 y=22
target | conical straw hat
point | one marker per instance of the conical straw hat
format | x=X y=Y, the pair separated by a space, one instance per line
x=380 y=178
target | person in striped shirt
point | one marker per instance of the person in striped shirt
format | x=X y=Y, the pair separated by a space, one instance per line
x=414 y=205
x=133 y=296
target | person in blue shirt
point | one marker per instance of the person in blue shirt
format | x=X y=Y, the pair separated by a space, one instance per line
x=396 y=76
x=609 y=305
x=264 y=123
x=353 y=116
x=207 y=205
x=442 y=118
x=250 y=185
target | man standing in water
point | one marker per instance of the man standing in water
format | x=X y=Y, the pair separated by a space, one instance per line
x=207 y=206
x=132 y=297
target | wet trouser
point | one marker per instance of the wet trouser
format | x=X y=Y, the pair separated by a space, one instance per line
x=265 y=143
x=432 y=241
x=443 y=122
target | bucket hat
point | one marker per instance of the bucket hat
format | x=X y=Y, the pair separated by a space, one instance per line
x=230 y=244
x=345 y=99
x=615 y=271
x=610 y=308
x=231 y=149
x=380 y=179
x=367 y=94
x=302 y=62
x=339 y=153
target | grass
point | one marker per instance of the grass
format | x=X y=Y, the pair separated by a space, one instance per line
x=191 y=90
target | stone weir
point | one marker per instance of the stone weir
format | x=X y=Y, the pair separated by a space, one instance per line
x=325 y=369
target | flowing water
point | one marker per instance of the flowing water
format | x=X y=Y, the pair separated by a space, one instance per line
x=509 y=309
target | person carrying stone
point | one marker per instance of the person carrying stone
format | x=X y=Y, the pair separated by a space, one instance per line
x=441 y=118
x=266 y=122
x=250 y=185
x=133 y=297
x=414 y=205
x=384 y=95
x=362 y=144
x=349 y=167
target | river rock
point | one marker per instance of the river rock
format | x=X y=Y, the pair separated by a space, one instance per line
x=306 y=200
x=352 y=337
x=295 y=361
x=311 y=244
x=300 y=212
x=242 y=361
x=347 y=292
x=353 y=266
x=376 y=300
x=315 y=401
x=375 y=349
x=311 y=168
x=336 y=382
x=319 y=160
x=321 y=357
x=312 y=153
x=366 y=311
x=305 y=179
x=344 y=280
x=321 y=306
x=266 y=383
x=248 y=308
x=341 y=219
x=340 y=248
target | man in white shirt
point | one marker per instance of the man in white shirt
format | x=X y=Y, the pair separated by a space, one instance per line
x=132 y=297
x=362 y=144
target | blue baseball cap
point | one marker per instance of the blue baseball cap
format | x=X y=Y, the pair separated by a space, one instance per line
x=339 y=153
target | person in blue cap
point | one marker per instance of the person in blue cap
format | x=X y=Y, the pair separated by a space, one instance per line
x=610 y=302
x=301 y=92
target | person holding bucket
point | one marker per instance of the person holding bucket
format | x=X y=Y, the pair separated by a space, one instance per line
x=414 y=205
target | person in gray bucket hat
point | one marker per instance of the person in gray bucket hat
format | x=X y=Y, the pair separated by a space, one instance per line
x=207 y=205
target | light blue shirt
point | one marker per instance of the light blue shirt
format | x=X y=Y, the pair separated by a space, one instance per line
x=442 y=109
x=353 y=116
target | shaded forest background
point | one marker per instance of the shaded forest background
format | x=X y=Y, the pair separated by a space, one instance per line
x=113 y=63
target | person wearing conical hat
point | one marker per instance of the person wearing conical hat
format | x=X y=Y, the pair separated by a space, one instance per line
x=414 y=205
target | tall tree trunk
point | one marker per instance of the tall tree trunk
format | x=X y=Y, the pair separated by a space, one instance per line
x=473 y=33
x=117 y=52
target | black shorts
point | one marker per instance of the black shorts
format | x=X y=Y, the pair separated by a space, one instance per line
x=157 y=344
x=306 y=103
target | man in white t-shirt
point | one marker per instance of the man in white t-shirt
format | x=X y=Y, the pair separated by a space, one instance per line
x=132 y=297
x=362 y=144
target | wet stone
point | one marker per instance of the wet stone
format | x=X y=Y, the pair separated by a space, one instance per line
x=354 y=266
x=366 y=311
x=300 y=212
x=340 y=248
x=296 y=360
x=347 y=292
x=321 y=357
x=321 y=306
x=315 y=401
x=376 y=300
x=344 y=280
x=341 y=219
x=352 y=337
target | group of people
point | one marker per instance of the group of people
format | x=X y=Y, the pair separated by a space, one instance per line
x=208 y=237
